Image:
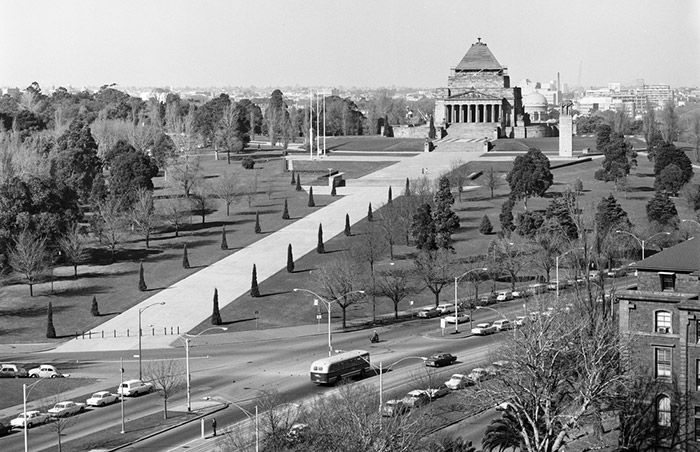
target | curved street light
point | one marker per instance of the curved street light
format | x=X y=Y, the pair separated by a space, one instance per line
x=25 y=393
x=328 y=306
x=186 y=338
x=457 y=278
x=251 y=417
x=642 y=242
x=380 y=369
x=140 y=311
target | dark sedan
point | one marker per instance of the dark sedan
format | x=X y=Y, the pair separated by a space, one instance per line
x=440 y=359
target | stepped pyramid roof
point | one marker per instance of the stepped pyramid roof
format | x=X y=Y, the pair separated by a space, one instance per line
x=479 y=58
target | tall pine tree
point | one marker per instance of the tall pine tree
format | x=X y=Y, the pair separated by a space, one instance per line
x=50 y=330
x=446 y=221
x=216 y=315
x=254 y=290
x=320 y=249
x=290 y=259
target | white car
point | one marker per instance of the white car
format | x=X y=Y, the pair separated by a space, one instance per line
x=33 y=418
x=520 y=320
x=132 y=388
x=503 y=324
x=446 y=308
x=102 y=398
x=504 y=295
x=457 y=318
x=482 y=329
x=479 y=374
x=45 y=371
x=65 y=409
x=458 y=381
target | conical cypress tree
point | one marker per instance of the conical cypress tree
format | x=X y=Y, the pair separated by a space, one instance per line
x=320 y=249
x=389 y=196
x=216 y=315
x=50 y=330
x=407 y=190
x=298 y=188
x=370 y=217
x=333 y=192
x=142 y=280
x=348 y=232
x=94 y=309
x=311 y=197
x=185 y=260
x=293 y=180
x=290 y=259
x=224 y=242
x=254 y=290
x=257 y=223
x=285 y=214
x=485 y=227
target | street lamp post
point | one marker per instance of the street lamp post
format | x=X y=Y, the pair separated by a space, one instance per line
x=381 y=373
x=141 y=311
x=642 y=242
x=557 y=266
x=457 y=278
x=186 y=338
x=250 y=417
x=328 y=307
x=24 y=403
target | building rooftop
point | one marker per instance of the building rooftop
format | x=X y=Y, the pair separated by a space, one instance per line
x=683 y=257
x=479 y=58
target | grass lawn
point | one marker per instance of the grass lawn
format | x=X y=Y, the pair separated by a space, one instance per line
x=43 y=394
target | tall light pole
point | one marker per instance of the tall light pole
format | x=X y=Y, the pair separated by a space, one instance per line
x=186 y=338
x=24 y=403
x=380 y=369
x=253 y=418
x=328 y=306
x=140 y=312
x=311 y=126
x=642 y=242
x=557 y=265
x=457 y=278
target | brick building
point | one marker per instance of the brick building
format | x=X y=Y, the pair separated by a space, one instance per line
x=662 y=320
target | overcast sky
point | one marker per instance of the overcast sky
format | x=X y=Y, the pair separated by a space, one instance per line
x=334 y=43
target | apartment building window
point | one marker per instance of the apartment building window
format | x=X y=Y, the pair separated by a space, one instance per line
x=697 y=423
x=697 y=375
x=697 y=331
x=663 y=411
x=662 y=322
x=668 y=281
x=663 y=363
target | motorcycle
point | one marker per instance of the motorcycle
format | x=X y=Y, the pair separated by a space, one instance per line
x=374 y=338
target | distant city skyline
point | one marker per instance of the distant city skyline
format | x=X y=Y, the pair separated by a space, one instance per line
x=358 y=43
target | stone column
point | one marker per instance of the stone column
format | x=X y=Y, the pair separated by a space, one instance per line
x=566 y=136
x=496 y=113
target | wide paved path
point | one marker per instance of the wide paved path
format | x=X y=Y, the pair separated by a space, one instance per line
x=187 y=303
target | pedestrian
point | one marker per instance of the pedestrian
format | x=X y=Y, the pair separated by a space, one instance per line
x=213 y=425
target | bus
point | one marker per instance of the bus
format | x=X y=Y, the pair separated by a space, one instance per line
x=333 y=369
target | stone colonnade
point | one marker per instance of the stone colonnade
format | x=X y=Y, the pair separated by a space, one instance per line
x=473 y=113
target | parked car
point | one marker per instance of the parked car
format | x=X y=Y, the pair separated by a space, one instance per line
x=446 y=308
x=519 y=293
x=394 y=408
x=131 y=388
x=101 y=398
x=457 y=318
x=503 y=324
x=503 y=364
x=12 y=371
x=617 y=272
x=5 y=429
x=479 y=374
x=437 y=391
x=440 y=359
x=428 y=312
x=297 y=432
x=416 y=398
x=32 y=418
x=46 y=371
x=489 y=298
x=482 y=329
x=65 y=409
x=458 y=381
x=504 y=295
x=520 y=320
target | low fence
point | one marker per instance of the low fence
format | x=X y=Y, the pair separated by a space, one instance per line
x=102 y=334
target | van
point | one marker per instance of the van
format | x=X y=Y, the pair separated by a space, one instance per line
x=446 y=308
x=131 y=388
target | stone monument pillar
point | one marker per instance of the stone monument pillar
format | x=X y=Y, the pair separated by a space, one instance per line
x=566 y=131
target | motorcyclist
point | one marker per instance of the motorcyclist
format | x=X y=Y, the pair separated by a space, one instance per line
x=374 y=337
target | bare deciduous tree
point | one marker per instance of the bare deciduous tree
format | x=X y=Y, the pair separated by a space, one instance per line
x=228 y=190
x=458 y=176
x=29 y=257
x=144 y=215
x=167 y=377
x=176 y=212
x=436 y=269
x=493 y=180
x=395 y=284
x=73 y=246
x=368 y=248
x=336 y=280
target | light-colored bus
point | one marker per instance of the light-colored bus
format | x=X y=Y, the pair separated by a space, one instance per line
x=333 y=369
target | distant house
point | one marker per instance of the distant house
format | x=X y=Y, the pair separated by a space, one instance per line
x=662 y=320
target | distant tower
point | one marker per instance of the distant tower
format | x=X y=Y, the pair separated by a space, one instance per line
x=566 y=130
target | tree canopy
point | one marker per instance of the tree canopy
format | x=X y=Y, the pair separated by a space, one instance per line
x=530 y=175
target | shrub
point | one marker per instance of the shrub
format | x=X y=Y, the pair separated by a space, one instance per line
x=224 y=242
x=185 y=260
x=50 y=330
x=142 y=280
x=258 y=230
x=285 y=214
x=485 y=227
x=248 y=163
x=94 y=309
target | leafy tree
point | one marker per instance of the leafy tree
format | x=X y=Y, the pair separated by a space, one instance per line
x=446 y=221
x=694 y=130
x=185 y=259
x=669 y=180
x=224 y=243
x=29 y=256
x=94 y=309
x=528 y=223
x=506 y=216
x=258 y=230
x=320 y=249
x=530 y=175
x=216 y=315
x=347 y=230
x=142 y=281
x=75 y=162
x=485 y=227
x=610 y=216
x=163 y=150
x=435 y=268
x=254 y=290
x=668 y=154
x=277 y=118
x=559 y=210
x=73 y=246
x=670 y=122
x=649 y=126
x=424 y=230
x=129 y=173
x=50 y=330
x=602 y=136
x=167 y=377
x=693 y=197
x=662 y=210
x=290 y=259
x=503 y=433
x=619 y=159
x=311 y=202
x=396 y=285
x=578 y=186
